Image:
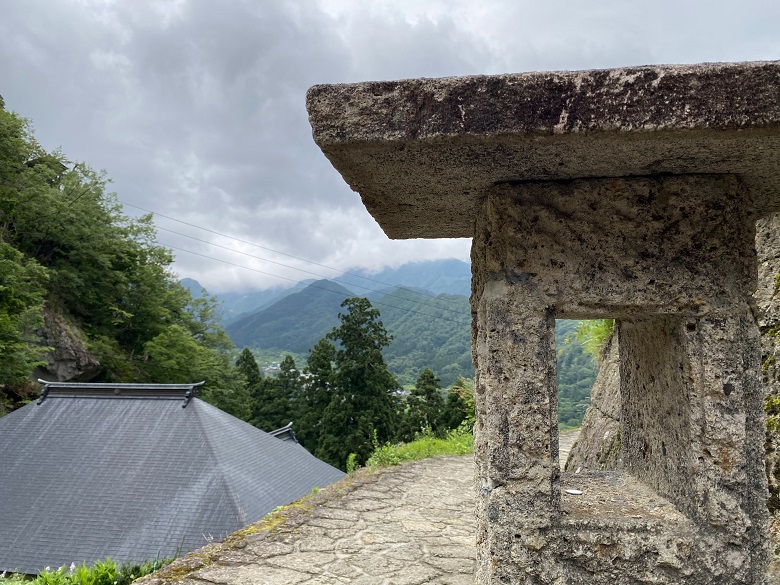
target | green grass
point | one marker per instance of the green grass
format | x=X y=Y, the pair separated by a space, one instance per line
x=101 y=573
x=594 y=334
x=457 y=442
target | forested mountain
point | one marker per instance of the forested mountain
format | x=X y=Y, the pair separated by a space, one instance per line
x=427 y=331
x=236 y=306
x=295 y=322
x=233 y=305
x=435 y=276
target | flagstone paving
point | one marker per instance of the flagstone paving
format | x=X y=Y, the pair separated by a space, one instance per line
x=407 y=525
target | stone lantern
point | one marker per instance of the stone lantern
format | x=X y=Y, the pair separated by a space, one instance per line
x=629 y=194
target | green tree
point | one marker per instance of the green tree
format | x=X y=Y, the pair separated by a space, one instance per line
x=315 y=394
x=460 y=405
x=22 y=289
x=176 y=357
x=248 y=368
x=272 y=406
x=424 y=406
x=455 y=411
x=66 y=240
x=364 y=405
x=247 y=365
x=439 y=338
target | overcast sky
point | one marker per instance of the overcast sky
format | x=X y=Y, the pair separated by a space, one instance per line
x=195 y=108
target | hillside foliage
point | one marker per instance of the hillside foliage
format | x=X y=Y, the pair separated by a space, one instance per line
x=577 y=369
x=345 y=401
x=107 y=572
x=427 y=332
x=65 y=244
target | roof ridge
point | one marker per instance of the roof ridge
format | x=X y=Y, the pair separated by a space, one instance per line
x=118 y=390
x=225 y=477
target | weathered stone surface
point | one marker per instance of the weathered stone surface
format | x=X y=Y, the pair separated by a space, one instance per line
x=620 y=531
x=598 y=444
x=422 y=153
x=691 y=419
x=602 y=418
x=597 y=447
x=69 y=360
x=670 y=258
x=424 y=535
x=566 y=440
x=597 y=248
x=768 y=250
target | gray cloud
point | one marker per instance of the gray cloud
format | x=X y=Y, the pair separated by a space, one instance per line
x=196 y=107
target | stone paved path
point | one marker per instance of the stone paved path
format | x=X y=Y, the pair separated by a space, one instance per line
x=408 y=525
x=565 y=443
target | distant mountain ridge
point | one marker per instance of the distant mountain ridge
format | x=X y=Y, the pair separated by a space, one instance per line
x=429 y=329
x=235 y=305
x=436 y=276
x=293 y=323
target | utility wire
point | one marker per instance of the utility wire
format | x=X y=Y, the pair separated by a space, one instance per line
x=342 y=272
x=303 y=270
x=314 y=285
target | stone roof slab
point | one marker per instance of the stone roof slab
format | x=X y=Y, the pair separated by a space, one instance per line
x=423 y=152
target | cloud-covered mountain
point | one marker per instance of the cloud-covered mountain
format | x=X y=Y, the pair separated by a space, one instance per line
x=449 y=276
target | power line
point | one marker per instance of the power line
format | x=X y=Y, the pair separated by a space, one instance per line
x=312 y=262
x=300 y=269
x=314 y=285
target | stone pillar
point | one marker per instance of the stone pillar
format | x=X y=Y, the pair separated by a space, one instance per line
x=516 y=432
x=691 y=425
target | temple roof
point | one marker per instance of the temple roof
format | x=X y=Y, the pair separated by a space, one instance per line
x=133 y=472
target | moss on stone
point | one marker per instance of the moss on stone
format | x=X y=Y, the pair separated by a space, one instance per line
x=281 y=521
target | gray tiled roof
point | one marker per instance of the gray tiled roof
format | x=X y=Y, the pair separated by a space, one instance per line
x=134 y=478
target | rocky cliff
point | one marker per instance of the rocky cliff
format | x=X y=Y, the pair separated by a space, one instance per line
x=69 y=359
x=599 y=442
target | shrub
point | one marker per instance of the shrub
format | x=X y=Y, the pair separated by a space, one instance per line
x=458 y=441
x=352 y=464
x=101 y=573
